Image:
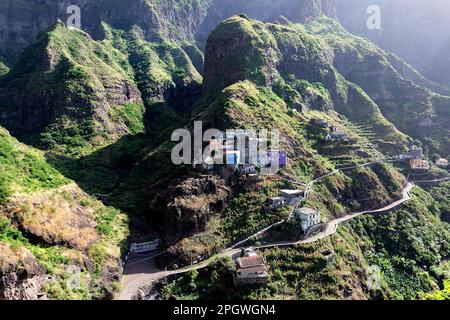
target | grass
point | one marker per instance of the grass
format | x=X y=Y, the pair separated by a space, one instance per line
x=24 y=169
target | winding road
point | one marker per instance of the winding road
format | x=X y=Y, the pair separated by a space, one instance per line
x=144 y=272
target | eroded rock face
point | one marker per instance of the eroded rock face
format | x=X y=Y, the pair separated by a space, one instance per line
x=60 y=82
x=21 y=277
x=21 y=21
x=188 y=205
x=267 y=11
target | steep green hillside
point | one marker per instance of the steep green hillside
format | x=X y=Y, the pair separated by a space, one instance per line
x=103 y=111
x=70 y=92
x=297 y=65
x=24 y=172
x=386 y=79
x=255 y=75
x=164 y=74
x=245 y=105
x=52 y=234
x=399 y=256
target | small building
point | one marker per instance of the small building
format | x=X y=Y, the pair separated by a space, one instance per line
x=417 y=164
x=277 y=202
x=291 y=195
x=250 y=270
x=441 y=162
x=335 y=129
x=307 y=217
x=336 y=136
x=137 y=248
x=250 y=252
x=413 y=153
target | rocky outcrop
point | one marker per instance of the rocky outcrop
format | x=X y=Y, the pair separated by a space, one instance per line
x=188 y=205
x=296 y=65
x=297 y=11
x=240 y=49
x=21 y=21
x=21 y=277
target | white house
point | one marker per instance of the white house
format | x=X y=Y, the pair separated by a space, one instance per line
x=290 y=195
x=336 y=136
x=277 y=202
x=441 y=162
x=249 y=169
x=250 y=270
x=307 y=217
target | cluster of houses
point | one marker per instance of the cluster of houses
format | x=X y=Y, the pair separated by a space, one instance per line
x=240 y=159
x=334 y=134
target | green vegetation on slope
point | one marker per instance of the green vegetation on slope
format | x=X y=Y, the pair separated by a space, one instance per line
x=395 y=256
x=68 y=83
x=23 y=169
x=404 y=100
x=36 y=198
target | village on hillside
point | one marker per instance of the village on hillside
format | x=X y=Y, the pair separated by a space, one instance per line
x=230 y=159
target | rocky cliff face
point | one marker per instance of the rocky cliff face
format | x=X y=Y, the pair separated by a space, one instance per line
x=297 y=11
x=405 y=97
x=67 y=80
x=188 y=205
x=21 y=21
x=185 y=210
x=21 y=276
x=293 y=62
x=51 y=232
